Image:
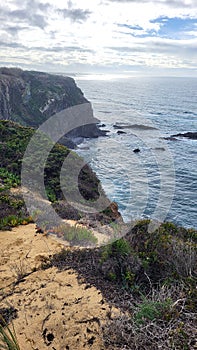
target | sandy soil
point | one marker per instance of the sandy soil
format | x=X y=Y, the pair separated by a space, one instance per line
x=55 y=310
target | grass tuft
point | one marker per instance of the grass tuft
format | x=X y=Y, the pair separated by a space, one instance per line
x=8 y=339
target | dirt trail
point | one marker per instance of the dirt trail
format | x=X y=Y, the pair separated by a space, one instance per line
x=55 y=310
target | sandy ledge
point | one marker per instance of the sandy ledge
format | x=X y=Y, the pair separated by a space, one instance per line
x=55 y=310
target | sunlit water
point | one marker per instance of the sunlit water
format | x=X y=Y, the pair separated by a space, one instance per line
x=161 y=181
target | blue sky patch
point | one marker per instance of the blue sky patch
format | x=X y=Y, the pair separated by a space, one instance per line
x=175 y=28
x=171 y=28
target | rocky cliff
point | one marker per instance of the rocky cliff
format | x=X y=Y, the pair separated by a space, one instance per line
x=30 y=98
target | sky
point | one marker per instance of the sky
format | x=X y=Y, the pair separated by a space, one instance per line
x=127 y=37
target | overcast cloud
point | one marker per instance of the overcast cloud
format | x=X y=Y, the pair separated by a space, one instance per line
x=100 y=35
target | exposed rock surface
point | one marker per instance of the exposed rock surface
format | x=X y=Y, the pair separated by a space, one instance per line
x=30 y=98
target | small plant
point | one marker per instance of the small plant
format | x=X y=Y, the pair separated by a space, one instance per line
x=79 y=235
x=121 y=248
x=105 y=253
x=51 y=195
x=75 y=235
x=8 y=179
x=150 y=310
x=117 y=248
x=129 y=277
x=20 y=270
x=12 y=221
x=8 y=339
x=111 y=276
x=13 y=202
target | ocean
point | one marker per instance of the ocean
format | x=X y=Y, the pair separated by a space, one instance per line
x=160 y=181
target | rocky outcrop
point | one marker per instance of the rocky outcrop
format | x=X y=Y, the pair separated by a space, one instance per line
x=189 y=135
x=30 y=98
x=86 y=131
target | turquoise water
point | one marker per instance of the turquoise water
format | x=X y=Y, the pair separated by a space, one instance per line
x=160 y=181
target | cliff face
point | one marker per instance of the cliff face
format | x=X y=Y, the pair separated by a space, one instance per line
x=30 y=98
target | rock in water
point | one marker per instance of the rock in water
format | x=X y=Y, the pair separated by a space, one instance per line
x=120 y=132
x=189 y=135
x=136 y=150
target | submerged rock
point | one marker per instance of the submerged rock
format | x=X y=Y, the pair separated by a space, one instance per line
x=159 y=149
x=169 y=138
x=133 y=126
x=118 y=126
x=120 y=132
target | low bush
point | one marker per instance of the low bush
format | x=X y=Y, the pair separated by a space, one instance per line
x=149 y=258
x=10 y=221
x=8 y=179
x=150 y=310
x=159 y=271
x=75 y=235
x=151 y=278
x=158 y=321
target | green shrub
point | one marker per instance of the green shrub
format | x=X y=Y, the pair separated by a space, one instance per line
x=13 y=221
x=116 y=246
x=106 y=252
x=8 y=179
x=12 y=201
x=112 y=276
x=121 y=248
x=150 y=310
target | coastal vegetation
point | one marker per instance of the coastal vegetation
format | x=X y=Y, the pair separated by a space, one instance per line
x=14 y=141
x=151 y=277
